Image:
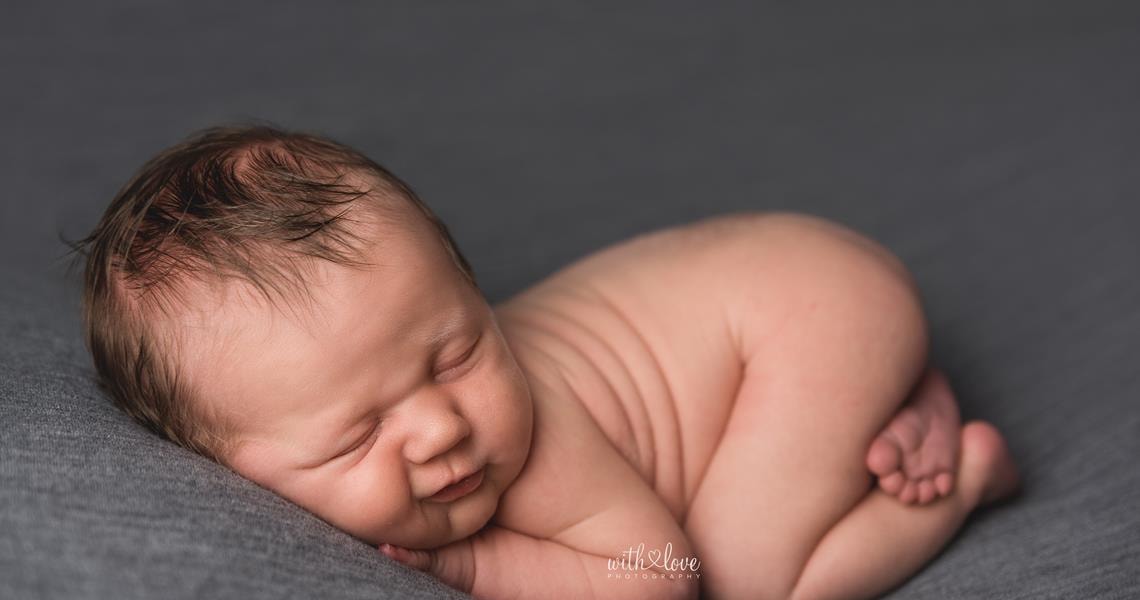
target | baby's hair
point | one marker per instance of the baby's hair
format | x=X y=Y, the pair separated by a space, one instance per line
x=250 y=202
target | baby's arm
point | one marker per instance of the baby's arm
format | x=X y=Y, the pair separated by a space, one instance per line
x=575 y=505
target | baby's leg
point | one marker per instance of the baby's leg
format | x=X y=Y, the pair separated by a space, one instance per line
x=882 y=541
x=834 y=341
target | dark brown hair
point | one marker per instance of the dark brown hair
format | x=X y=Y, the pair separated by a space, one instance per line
x=251 y=202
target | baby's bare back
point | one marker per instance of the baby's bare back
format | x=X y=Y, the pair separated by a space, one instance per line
x=641 y=337
x=647 y=333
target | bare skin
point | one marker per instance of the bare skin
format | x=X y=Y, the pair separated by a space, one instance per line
x=916 y=456
x=747 y=373
x=785 y=347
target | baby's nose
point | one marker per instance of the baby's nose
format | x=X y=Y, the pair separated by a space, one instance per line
x=436 y=427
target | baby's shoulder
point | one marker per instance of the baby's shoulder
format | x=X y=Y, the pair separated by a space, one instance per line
x=647 y=280
x=662 y=301
x=676 y=270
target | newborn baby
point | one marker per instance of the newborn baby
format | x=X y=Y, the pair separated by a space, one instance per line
x=740 y=406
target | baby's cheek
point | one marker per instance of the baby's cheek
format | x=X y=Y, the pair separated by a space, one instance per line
x=515 y=429
x=371 y=502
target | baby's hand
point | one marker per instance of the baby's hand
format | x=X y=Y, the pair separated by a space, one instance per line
x=454 y=564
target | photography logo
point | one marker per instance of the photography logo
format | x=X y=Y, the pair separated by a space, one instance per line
x=638 y=563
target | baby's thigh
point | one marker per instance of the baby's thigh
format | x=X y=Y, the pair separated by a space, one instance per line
x=833 y=341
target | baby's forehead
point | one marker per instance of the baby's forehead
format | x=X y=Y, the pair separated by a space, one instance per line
x=307 y=294
x=233 y=302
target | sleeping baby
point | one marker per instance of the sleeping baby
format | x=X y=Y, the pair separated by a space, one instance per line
x=739 y=407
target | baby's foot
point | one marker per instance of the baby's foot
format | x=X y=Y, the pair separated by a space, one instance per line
x=988 y=473
x=916 y=455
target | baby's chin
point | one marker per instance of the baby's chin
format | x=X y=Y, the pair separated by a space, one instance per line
x=461 y=519
x=472 y=516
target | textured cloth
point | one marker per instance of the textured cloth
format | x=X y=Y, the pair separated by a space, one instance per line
x=991 y=146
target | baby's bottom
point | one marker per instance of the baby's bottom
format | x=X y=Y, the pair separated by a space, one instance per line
x=787 y=506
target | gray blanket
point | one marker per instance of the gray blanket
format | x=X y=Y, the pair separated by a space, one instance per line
x=992 y=146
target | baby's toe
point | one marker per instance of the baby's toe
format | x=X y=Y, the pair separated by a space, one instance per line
x=944 y=483
x=893 y=483
x=909 y=492
x=885 y=456
x=926 y=491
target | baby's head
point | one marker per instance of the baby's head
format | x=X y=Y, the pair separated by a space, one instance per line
x=285 y=306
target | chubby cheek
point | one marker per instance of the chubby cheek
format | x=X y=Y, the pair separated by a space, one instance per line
x=370 y=500
x=511 y=417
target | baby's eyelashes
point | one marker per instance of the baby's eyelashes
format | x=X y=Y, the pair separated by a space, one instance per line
x=456 y=366
x=359 y=444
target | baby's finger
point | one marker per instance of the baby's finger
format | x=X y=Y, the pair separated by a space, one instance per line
x=416 y=559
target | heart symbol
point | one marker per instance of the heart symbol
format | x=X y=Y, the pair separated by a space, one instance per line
x=654 y=555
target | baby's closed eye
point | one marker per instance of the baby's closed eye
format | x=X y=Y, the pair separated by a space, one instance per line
x=463 y=361
x=360 y=444
x=454 y=366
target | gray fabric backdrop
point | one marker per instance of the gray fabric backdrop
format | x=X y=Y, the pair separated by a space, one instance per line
x=992 y=146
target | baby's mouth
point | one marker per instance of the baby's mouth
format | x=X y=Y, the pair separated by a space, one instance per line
x=460 y=488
